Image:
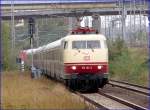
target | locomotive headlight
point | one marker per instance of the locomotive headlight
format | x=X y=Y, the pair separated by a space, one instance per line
x=74 y=67
x=99 y=67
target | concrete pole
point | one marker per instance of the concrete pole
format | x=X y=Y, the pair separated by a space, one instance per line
x=12 y=25
x=140 y=20
x=105 y=27
x=130 y=23
x=123 y=21
x=109 y=26
x=70 y=24
x=37 y=33
x=113 y=30
x=120 y=23
x=134 y=14
x=32 y=51
x=12 y=34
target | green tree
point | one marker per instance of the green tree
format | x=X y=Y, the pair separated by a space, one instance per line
x=5 y=45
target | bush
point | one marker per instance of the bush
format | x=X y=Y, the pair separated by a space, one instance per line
x=127 y=64
x=5 y=46
x=117 y=48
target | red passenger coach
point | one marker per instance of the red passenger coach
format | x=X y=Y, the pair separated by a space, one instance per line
x=23 y=55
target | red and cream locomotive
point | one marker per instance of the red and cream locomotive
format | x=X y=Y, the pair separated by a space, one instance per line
x=79 y=59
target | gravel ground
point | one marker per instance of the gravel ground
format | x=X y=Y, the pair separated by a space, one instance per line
x=106 y=102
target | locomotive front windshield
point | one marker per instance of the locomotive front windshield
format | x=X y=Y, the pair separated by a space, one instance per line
x=94 y=44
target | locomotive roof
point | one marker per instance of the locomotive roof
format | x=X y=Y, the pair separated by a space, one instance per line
x=83 y=36
x=29 y=51
x=53 y=44
x=68 y=37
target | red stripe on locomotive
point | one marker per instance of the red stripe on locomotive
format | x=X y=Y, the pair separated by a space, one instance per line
x=86 y=68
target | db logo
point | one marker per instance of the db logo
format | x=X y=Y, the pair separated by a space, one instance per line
x=86 y=58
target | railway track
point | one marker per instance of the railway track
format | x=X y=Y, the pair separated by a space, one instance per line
x=123 y=101
x=131 y=87
x=92 y=101
x=106 y=101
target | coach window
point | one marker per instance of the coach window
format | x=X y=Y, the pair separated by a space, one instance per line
x=65 y=44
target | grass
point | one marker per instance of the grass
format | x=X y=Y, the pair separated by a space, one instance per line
x=139 y=58
x=131 y=66
x=19 y=91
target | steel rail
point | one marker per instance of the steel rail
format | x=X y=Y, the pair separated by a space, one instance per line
x=131 y=89
x=122 y=101
x=123 y=82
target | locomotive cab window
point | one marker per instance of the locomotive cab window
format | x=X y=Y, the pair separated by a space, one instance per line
x=79 y=44
x=94 y=44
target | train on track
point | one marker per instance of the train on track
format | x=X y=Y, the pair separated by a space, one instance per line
x=79 y=60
